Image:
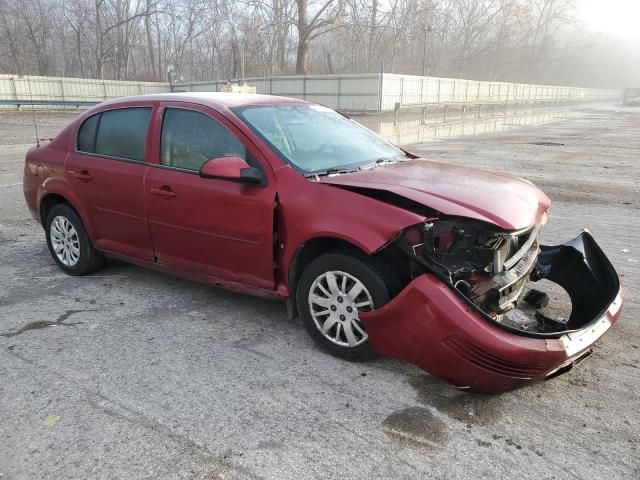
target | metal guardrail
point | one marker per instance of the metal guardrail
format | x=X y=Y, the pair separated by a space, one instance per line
x=477 y=107
x=63 y=103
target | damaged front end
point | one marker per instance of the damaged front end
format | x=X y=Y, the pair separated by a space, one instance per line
x=495 y=271
x=468 y=313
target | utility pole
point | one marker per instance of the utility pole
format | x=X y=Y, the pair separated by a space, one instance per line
x=242 y=57
x=427 y=30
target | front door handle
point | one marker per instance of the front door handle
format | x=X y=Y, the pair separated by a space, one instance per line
x=164 y=191
x=83 y=176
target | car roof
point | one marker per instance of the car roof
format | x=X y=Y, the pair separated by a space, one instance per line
x=217 y=100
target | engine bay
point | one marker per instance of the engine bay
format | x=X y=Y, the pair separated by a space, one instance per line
x=512 y=279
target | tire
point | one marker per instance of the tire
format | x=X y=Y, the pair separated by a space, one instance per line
x=68 y=242
x=380 y=284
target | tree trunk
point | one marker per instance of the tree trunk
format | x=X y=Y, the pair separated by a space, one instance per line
x=372 y=33
x=160 y=73
x=147 y=26
x=330 y=64
x=235 y=57
x=119 y=39
x=79 y=51
x=99 y=52
x=281 y=50
x=302 y=57
x=281 y=35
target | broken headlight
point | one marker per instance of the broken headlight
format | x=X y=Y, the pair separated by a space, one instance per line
x=489 y=266
x=457 y=247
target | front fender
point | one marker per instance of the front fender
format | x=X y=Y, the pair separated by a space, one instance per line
x=308 y=210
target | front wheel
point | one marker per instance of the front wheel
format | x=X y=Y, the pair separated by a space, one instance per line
x=331 y=293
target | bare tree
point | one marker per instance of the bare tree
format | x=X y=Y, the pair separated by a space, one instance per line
x=309 y=27
x=38 y=30
x=11 y=33
x=510 y=40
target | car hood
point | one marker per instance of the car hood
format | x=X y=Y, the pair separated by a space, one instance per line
x=508 y=202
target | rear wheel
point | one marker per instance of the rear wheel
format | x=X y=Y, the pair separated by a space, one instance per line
x=68 y=242
x=331 y=293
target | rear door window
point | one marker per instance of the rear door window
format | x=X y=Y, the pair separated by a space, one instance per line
x=120 y=133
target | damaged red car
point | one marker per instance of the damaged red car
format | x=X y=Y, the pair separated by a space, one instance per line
x=376 y=250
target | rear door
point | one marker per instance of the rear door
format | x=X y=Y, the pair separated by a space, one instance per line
x=106 y=171
x=216 y=227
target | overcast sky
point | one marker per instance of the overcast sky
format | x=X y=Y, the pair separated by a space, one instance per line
x=619 y=17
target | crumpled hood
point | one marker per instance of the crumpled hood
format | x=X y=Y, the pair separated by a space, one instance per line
x=508 y=202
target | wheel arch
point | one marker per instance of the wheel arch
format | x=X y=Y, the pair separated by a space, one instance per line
x=305 y=254
x=52 y=197
x=312 y=249
x=49 y=201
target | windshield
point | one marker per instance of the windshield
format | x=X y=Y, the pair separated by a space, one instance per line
x=316 y=139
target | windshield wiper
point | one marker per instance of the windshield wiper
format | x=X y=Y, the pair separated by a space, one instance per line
x=340 y=170
x=382 y=161
x=330 y=171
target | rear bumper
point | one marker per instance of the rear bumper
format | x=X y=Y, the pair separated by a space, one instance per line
x=431 y=326
x=30 y=189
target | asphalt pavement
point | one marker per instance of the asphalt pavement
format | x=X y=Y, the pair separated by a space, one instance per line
x=134 y=374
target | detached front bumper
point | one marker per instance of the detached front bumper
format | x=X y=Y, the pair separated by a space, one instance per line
x=434 y=327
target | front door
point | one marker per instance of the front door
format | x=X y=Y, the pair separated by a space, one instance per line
x=220 y=228
x=106 y=171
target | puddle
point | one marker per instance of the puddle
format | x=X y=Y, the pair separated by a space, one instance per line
x=547 y=144
x=417 y=129
x=465 y=407
x=419 y=427
x=415 y=427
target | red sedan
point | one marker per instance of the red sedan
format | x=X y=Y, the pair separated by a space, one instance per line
x=376 y=250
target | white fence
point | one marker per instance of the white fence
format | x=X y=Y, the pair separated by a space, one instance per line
x=354 y=93
x=381 y=92
x=25 y=90
x=416 y=90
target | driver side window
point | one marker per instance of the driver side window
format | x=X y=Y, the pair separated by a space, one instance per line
x=190 y=138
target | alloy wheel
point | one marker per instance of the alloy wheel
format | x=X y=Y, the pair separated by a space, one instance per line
x=65 y=241
x=335 y=299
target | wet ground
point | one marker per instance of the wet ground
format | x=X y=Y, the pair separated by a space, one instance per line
x=414 y=126
x=133 y=374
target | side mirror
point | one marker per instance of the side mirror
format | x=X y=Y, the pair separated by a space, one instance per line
x=232 y=168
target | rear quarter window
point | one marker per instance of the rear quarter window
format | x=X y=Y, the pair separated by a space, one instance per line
x=87 y=134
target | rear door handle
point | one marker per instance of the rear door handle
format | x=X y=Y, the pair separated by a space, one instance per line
x=164 y=191
x=83 y=176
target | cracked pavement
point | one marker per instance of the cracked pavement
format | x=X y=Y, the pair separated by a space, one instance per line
x=130 y=373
